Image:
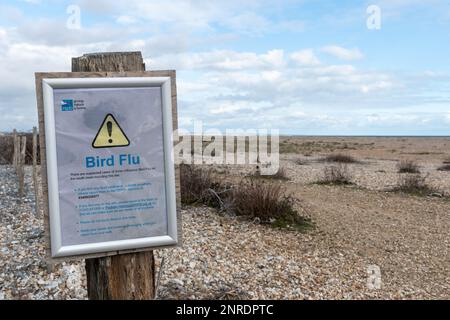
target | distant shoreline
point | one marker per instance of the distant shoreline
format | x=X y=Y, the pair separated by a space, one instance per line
x=307 y=136
x=360 y=136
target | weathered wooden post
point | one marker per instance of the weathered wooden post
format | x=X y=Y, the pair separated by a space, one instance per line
x=35 y=173
x=125 y=276
x=21 y=164
x=19 y=151
x=14 y=160
x=17 y=148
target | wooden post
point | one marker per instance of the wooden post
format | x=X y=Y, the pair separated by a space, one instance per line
x=21 y=164
x=14 y=160
x=125 y=276
x=17 y=148
x=17 y=152
x=35 y=173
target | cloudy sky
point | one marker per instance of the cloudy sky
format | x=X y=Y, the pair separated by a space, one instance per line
x=304 y=67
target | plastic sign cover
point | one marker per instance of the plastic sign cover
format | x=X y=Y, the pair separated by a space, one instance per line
x=110 y=164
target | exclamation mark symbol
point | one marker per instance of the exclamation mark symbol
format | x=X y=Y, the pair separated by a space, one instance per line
x=109 y=127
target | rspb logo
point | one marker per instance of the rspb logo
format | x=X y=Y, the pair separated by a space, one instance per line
x=67 y=105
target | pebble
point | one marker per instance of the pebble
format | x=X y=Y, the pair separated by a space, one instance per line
x=23 y=267
x=224 y=257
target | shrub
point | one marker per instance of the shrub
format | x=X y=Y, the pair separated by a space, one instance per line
x=413 y=184
x=279 y=175
x=198 y=186
x=301 y=162
x=253 y=199
x=340 y=158
x=407 y=166
x=268 y=203
x=7 y=148
x=336 y=175
x=445 y=167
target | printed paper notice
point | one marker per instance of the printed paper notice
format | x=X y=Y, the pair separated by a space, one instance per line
x=110 y=157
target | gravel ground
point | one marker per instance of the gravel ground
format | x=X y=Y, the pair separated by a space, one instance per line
x=227 y=258
x=371 y=174
x=378 y=159
x=24 y=273
x=357 y=231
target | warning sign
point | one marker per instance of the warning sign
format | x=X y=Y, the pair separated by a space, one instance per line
x=103 y=198
x=110 y=134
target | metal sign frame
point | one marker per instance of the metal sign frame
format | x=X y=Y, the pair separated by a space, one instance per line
x=46 y=83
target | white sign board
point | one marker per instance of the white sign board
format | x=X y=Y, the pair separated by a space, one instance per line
x=110 y=167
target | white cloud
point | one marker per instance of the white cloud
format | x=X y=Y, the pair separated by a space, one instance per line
x=252 y=24
x=54 y=33
x=290 y=89
x=126 y=20
x=224 y=88
x=343 y=53
x=20 y=60
x=249 y=23
x=32 y=1
x=10 y=13
x=305 y=57
x=231 y=107
x=220 y=60
x=271 y=76
x=240 y=17
x=272 y=89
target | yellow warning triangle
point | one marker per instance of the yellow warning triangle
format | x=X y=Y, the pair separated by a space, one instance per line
x=110 y=134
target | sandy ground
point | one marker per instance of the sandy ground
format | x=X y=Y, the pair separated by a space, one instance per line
x=378 y=159
x=426 y=149
x=359 y=230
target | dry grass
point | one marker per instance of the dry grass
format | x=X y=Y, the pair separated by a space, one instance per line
x=340 y=158
x=414 y=184
x=252 y=199
x=445 y=167
x=281 y=174
x=7 y=148
x=301 y=162
x=268 y=203
x=199 y=187
x=408 y=166
x=336 y=175
x=305 y=146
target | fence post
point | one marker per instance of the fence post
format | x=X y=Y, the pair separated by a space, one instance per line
x=21 y=163
x=125 y=276
x=35 y=173
x=14 y=159
x=16 y=151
